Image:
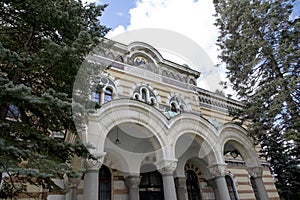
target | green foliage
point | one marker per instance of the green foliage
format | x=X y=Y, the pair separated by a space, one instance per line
x=42 y=46
x=260 y=47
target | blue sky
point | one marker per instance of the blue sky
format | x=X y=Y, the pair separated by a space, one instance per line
x=117 y=13
x=191 y=18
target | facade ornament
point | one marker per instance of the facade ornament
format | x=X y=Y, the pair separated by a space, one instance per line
x=255 y=172
x=133 y=181
x=166 y=166
x=93 y=164
x=218 y=170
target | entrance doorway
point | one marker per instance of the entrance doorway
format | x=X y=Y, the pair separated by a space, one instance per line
x=192 y=185
x=104 y=183
x=151 y=186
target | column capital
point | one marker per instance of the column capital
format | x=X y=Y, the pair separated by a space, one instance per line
x=93 y=164
x=217 y=170
x=133 y=181
x=166 y=166
x=255 y=172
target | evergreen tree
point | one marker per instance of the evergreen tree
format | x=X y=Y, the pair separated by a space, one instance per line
x=259 y=43
x=42 y=46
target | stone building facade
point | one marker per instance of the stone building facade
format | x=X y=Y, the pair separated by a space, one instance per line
x=158 y=136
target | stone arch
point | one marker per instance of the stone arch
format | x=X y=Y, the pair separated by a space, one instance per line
x=179 y=101
x=146 y=49
x=238 y=137
x=114 y=160
x=164 y=73
x=151 y=94
x=122 y=111
x=202 y=131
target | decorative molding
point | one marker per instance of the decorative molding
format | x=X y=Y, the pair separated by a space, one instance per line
x=255 y=172
x=93 y=164
x=166 y=167
x=133 y=181
x=217 y=170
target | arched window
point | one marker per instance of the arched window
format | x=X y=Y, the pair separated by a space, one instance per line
x=192 y=185
x=254 y=187
x=177 y=104
x=173 y=107
x=144 y=95
x=231 y=188
x=151 y=186
x=104 y=183
x=108 y=94
x=102 y=94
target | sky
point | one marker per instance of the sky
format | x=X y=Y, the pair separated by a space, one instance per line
x=191 y=18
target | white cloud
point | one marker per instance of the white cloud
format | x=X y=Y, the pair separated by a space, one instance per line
x=194 y=19
x=190 y=18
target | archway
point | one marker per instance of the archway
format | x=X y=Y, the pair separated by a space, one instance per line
x=192 y=185
x=240 y=152
x=192 y=166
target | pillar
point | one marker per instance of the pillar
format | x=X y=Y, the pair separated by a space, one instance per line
x=167 y=168
x=72 y=184
x=212 y=183
x=133 y=182
x=180 y=183
x=256 y=173
x=218 y=171
x=91 y=178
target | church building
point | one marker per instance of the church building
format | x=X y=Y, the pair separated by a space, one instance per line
x=158 y=136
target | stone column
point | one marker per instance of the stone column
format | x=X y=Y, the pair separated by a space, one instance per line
x=212 y=183
x=167 y=168
x=180 y=183
x=133 y=182
x=71 y=184
x=218 y=171
x=256 y=173
x=91 y=179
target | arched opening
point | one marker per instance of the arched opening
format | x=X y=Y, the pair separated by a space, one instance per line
x=104 y=183
x=151 y=185
x=144 y=95
x=192 y=185
x=231 y=188
x=173 y=108
x=194 y=154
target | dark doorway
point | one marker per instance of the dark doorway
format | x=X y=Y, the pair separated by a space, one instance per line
x=192 y=185
x=151 y=187
x=231 y=188
x=104 y=183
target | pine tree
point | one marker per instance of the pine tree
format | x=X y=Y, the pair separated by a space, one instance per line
x=259 y=43
x=42 y=46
